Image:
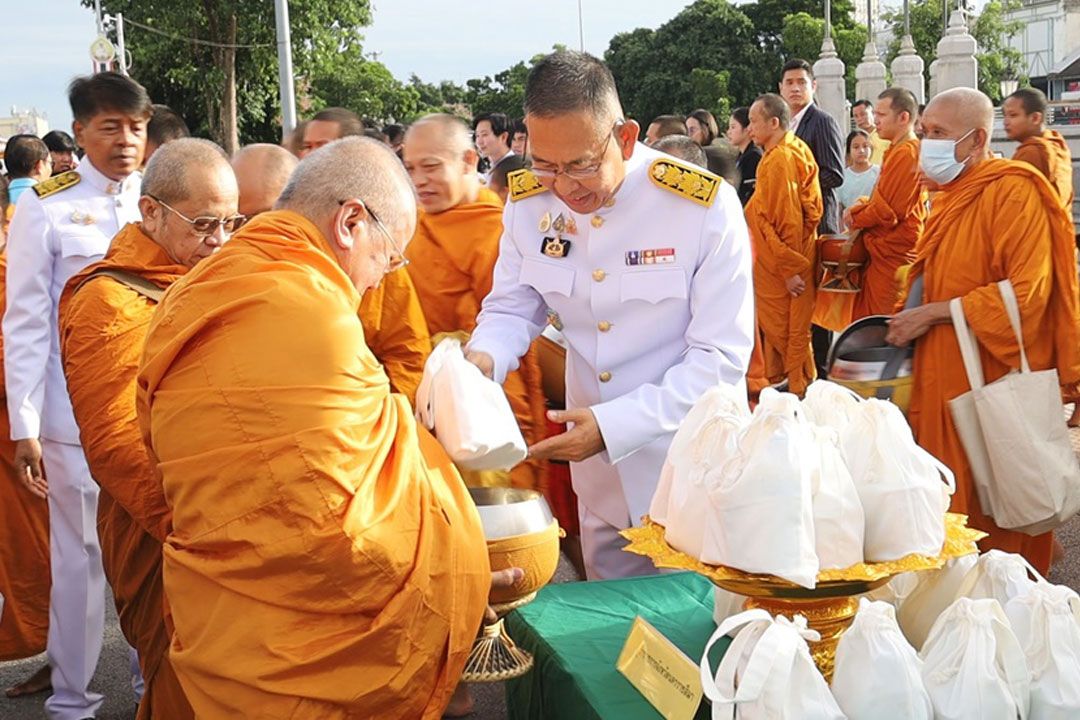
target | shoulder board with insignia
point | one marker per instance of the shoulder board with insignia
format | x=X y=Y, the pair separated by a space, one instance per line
x=692 y=183
x=523 y=184
x=56 y=184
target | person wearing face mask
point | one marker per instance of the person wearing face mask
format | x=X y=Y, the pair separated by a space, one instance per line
x=646 y=260
x=991 y=220
x=188 y=211
x=64 y=226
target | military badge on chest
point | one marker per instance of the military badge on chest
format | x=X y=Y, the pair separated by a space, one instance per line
x=557 y=246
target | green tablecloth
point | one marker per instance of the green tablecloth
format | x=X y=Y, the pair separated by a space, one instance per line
x=576 y=632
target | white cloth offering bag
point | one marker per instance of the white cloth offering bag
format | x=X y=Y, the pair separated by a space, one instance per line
x=999 y=575
x=831 y=405
x=900 y=484
x=762 y=518
x=469 y=413
x=707 y=439
x=1014 y=436
x=973 y=666
x=767 y=672
x=921 y=597
x=839 y=524
x=878 y=675
x=1045 y=623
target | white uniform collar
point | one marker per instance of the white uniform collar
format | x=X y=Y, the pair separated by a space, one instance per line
x=636 y=169
x=92 y=175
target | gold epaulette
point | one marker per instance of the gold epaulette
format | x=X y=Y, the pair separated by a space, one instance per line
x=53 y=185
x=523 y=184
x=692 y=183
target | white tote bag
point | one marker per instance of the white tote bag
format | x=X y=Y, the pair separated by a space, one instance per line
x=1000 y=576
x=767 y=672
x=762 y=517
x=878 y=675
x=921 y=597
x=469 y=413
x=973 y=666
x=1045 y=623
x=900 y=485
x=1025 y=470
x=831 y=405
x=707 y=439
x=839 y=524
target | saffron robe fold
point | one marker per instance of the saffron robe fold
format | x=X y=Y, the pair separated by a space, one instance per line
x=103 y=327
x=1049 y=154
x=452 y=260
x=396 y=332
x=783 y=216
x=24 y=545
x=1000 y=220
x=891 y=222
x=325 y=559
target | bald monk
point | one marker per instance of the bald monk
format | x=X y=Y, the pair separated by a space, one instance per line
x=103 y=323
x=325 y=559
x=261 y=172
x=24 y=542
x=783 y=217
x=452 y=258
x=891 y=220
x=992 y=220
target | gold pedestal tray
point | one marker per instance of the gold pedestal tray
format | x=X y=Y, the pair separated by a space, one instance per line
x=830 y=607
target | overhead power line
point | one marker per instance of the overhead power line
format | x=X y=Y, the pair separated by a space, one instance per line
x=196 y=41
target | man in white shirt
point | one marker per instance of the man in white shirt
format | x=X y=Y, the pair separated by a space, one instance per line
x=60 y=227
x=492 y=137
x=646 y=260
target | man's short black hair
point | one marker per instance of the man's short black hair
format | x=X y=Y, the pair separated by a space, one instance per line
x=797 y=64
x=863 y=103
x=93 y=94
x=165 y=125
x=394 y=133
x=504 y=167
x=59 y=141
x=500 y=124
x=569 y=81
x=519 y=126
x=349 y=123
x=669 y=125
x=22 y=155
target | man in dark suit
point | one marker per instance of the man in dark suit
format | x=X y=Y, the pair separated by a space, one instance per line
x=819 y=130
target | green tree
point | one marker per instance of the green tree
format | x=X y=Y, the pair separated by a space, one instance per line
x=803 y=35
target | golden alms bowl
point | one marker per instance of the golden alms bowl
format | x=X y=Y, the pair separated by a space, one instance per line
x=521 y=532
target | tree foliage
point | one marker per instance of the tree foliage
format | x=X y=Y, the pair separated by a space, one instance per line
x=803 y=35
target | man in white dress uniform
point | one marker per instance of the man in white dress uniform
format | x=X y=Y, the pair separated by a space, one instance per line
x=63 y=225
x=646 y=260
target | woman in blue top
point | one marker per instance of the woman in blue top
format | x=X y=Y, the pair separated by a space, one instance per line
x=860 y=176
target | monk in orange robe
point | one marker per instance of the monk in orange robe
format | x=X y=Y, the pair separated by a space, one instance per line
x=891 y=221
x=396 y=331
x=24 y=555
x=992 y=220
x=1024 y=114
x=783 y=217
x=325 y=559
x=452 y=259
x=104 y=315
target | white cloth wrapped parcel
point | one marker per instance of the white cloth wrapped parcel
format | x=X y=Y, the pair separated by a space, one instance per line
x=921 y=597
x=468 y=413
x=839 y=523
x=999 y=575
x=1045 y=623
x=831 y=405
x=706 y=440
x=899 y=483
x=878 y=675
x=763 y=517
x=973 y=666
x=767 y=672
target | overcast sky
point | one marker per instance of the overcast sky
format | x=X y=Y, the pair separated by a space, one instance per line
x=46 y=42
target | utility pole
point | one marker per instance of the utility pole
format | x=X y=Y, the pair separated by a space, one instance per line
x=285 y=70
x=121 y=50
x=580 y=28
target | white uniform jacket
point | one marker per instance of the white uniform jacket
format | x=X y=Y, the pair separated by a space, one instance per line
x=50 y=239
x=656 y=304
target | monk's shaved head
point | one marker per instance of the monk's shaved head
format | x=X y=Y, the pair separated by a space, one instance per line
x=169 y=175
x=439 y=156
x=444 y=131
x=769 y=120
x=774 y=106
x=262 y=171
x=965 y=107
x=965 y=117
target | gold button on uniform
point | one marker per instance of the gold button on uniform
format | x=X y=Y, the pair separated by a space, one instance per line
x=597 y=221
x=603 y=326
x=598 y=275
x=605 y=376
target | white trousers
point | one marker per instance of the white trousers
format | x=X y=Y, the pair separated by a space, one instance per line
x=77 y=600
x=602 y=547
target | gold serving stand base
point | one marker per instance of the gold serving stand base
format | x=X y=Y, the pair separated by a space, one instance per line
x=830 y=607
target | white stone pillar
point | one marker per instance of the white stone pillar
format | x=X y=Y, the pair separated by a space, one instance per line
x=831 y=94
x=907 y=70
x=870 y=74
x=956 y=65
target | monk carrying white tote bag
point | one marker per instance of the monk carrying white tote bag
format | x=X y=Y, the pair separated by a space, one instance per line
x=1015 y=437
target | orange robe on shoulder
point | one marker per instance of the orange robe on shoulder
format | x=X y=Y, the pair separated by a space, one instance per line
x=891 y=223
x=783 y=217
x=998 y=221
x=102 y=331
x=325 y=559
x=452 y=263
x=24 y=545
x=1049 y=154
x=396 y=331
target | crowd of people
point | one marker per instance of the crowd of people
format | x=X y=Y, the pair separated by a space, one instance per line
x=210 y=362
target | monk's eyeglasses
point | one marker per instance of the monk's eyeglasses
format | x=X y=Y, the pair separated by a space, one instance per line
x=205 y=226
x=392 y=263
x=545 y=172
